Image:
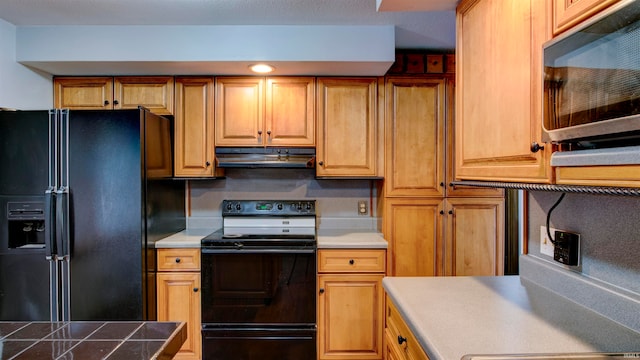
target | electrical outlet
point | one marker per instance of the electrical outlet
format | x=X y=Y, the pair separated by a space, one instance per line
x=546 y=247
x=362 y=207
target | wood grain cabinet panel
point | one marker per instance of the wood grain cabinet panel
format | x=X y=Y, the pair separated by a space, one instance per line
x=194 y=127
x=350 y=132
x=350 y=304
x=178 y=295
x=568 y=13
x=256 y=111
x=107 y=93
x=499 y=91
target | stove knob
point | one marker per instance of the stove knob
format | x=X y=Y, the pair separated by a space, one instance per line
x=308 y=206
x=299 y=206
x=238 y=207
x=229 y=206
x=279 y=206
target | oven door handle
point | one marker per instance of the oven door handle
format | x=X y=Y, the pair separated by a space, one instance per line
x=257 y=251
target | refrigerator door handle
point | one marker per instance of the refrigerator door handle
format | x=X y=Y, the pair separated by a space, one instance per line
x=49 y=221
x=62 y=223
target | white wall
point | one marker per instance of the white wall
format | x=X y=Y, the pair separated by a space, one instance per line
x=20 y=87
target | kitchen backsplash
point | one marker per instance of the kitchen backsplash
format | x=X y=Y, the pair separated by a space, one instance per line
x=608 y=281
x=337 y=200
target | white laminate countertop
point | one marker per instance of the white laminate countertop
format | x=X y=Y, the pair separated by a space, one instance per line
x=327 y=238
x=455 y=316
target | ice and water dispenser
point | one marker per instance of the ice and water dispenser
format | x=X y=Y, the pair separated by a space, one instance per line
x=26 y=225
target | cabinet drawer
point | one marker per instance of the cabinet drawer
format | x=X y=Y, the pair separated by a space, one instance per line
x=399 y=332
x=178 y=259
x=350 y=260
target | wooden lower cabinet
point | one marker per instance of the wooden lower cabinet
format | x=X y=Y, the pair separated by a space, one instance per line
x=400 y=343
x=444 y=236
x=350 y=304
x=178 y=295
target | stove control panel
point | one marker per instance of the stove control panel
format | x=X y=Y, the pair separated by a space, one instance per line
x=269 y=207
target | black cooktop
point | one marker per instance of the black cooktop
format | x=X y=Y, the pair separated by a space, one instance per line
x=218 y=239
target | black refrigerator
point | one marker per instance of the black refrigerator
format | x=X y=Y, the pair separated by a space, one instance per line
x=84 y=195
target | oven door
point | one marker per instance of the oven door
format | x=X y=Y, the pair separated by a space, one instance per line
x=258 y=304
x=274 y=287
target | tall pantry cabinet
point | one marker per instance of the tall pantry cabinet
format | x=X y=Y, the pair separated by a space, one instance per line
x=432 y=226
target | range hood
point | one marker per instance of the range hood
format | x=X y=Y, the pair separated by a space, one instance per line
x=266 y=157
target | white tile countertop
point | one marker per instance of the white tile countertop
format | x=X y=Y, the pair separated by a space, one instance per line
x=455 y=316
x=327 y=238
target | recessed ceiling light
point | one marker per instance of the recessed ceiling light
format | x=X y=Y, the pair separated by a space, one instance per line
x=261 y=68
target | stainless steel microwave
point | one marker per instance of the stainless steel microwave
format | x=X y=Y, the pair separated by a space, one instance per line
x=592 y=81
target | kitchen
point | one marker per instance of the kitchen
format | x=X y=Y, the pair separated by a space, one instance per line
x=606 y=260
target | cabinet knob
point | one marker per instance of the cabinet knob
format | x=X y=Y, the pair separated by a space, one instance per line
x=441 y=212
x=115 y=102
x=106 y=102
x=195 y=289
x=259 y=132
x=177 y=260
x=208 y=163
x=351 y=262
x=321 y=163
x=268 y=132
x=442 y=183
x=535 y=147
x=401 y=339
x=450 y=212
x=321 y=290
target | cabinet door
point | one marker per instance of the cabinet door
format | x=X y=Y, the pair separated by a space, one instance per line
x=240 y=111
x=414 y=231
x=499 y=91
x=457 y=190
x=348 y=130
x=415 y=128
x=567 y=13
x=475 y=237
x=290 y=111
x=92 y=93
x=178 y=296
x=350 y=316
x=194 y=151
x=153 y=92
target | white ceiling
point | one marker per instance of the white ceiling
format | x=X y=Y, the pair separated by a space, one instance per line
x=418 y=24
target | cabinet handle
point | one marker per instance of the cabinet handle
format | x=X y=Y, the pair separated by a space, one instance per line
x=115 y=102
x=321 y=290
x=535 y=147
x=351 y=262
x=195 y=289
x=321 y=163
x=106 y=102
x=401 y=339
x=178 y=260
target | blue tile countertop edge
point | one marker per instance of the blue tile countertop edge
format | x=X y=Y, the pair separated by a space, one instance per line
x=455 y=316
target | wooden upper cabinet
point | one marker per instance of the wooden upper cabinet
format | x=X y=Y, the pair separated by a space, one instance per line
x=415 y=128
x=499 y=91
x=106 y=93
x=290 y=111
x=153 y=92
x=567 y=13
x=194 y=150
x=350 y=132
x=250 y=113
x=92 y=93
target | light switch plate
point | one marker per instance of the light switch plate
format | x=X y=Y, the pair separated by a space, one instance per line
x=546 y=247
